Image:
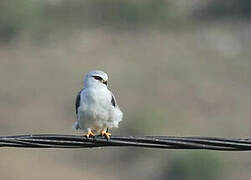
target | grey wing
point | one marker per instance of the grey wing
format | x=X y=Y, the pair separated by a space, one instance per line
x=77 y=101
x=113 y=100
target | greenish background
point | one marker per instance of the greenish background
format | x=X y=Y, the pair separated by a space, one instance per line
x=179 y=68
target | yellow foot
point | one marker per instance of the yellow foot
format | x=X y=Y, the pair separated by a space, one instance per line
x=89 y=134
x=106 y=134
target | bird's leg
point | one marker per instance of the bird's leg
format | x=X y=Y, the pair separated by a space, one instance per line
x=89 y=133
x=105 y=133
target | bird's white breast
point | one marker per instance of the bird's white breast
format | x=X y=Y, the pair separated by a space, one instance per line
x=95 y=107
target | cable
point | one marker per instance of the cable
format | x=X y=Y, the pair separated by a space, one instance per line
x=164 y=142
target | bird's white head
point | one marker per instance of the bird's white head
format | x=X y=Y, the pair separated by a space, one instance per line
x=95 y=78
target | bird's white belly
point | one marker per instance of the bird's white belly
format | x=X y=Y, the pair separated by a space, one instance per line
x=94 y=110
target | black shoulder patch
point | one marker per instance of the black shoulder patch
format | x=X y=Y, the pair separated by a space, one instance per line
x=113 y=101
x=77 y=102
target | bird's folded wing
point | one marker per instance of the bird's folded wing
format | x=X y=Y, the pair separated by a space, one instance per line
x=77 y=101
x=113 y=100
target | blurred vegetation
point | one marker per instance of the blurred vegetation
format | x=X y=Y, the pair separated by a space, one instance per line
x=193 y=166
x=40 y=18
x=226 y=9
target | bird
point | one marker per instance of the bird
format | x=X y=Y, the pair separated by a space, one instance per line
x=97 y=110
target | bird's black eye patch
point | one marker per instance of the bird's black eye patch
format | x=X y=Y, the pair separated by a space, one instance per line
x=98 y=78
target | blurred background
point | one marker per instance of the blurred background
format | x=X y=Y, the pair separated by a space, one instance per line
x=179 y=68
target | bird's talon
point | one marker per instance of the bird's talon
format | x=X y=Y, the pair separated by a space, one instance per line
x=107 y=135
x=89 y=134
